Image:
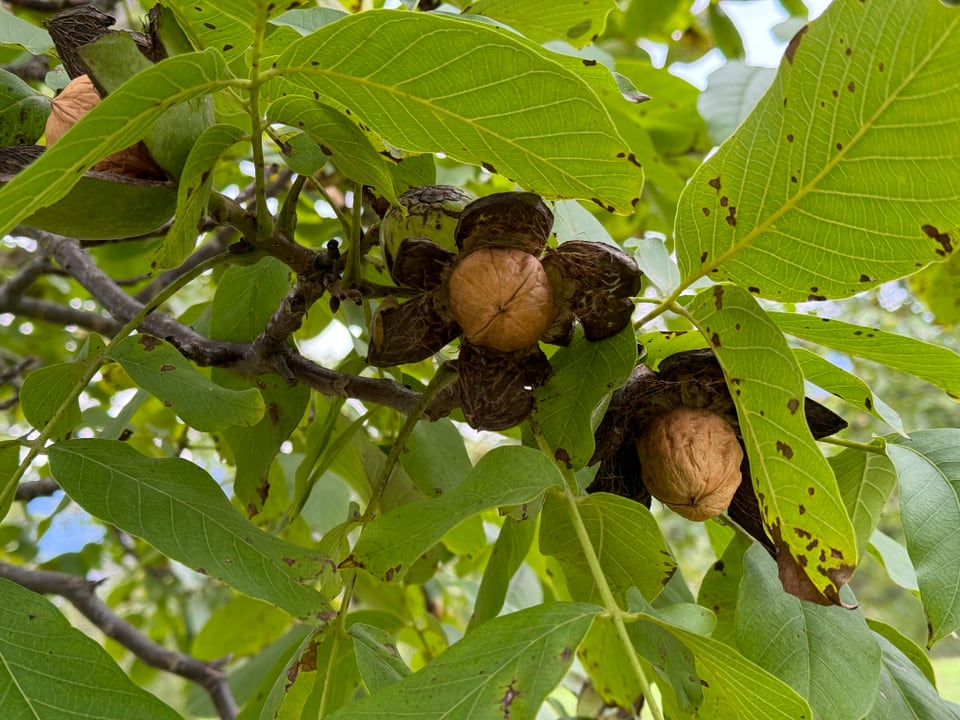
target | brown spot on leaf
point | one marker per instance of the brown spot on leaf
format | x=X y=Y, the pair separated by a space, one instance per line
x=793 y=405
x=588 y=62
x=633 y=159
x=866 y=279
x=811 y=491
x=851 y=86
x=784 y=450
x=167 y=368
x=881 y=67
x=706 y=212
x=724 y=201
x=715 y=340
x=715 y=183
x=506 y=701
x=149 y=342
x=868 y=403
x=274 y=413
x=391 y=572
x=836 y=554
x=562 y=456
x=789 y=137
x=794 y=44
x=943 y=238
x=718 y=296
x=839 y=146
x=801 y=509
x=704 y=255
x=731 y=217
x=489 y=168
x=288 y=560
x=812 y=544
x=754 y=289
x=816 y=298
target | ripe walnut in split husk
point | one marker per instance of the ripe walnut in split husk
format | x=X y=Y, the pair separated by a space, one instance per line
x=692 y=379
x=504 y=297
x=691 y=461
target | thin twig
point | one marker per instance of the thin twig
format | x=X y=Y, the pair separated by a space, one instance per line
x=44 y=487
x=81 y=594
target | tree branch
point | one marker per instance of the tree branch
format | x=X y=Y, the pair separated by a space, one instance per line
x=27 y=491
x=244 y=357
x=80 y=593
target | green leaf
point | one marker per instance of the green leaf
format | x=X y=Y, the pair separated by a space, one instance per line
x=262 y=623
x=323 y=664
x=23 y=112
x=803 y=644
x=50 y=670
x=306 y=20
x=246 y=298
x=578 y=22
x=928 y=465
x=513 y=543
x=379 y=662
x=584 y=373
x=623 y=533
x=816 y=216
x=9 y=462
x=904 y=692
x=15 y=31
x=435 y=457
x=659 y=345
x=933 y=363
x=605 y=659
x=799 y=497
x=540 y=125
x=907 y=647
x=938 y=287
x=720 y=587
x=157 y=366
x=824 y=374
x=733 y=687
x=866 y=481
x=193 y=192
x=504 y=476
x=351 y=150
x=45 y=390
x=228 y=28
x=120 y=120
x=654 y=260
x=504 y=668
x=114 y=59
x=179 y=509
x=733 y=90
x=895 y=560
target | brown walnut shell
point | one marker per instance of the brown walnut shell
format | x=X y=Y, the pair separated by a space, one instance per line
x=501 y=298
x=691 y=462
x=77 y=99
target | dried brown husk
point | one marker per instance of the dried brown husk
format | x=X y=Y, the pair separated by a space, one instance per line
x=519 y=220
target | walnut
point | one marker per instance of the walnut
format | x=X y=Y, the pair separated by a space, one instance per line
x=690 y=459
x=501 y=298
x=77 y=99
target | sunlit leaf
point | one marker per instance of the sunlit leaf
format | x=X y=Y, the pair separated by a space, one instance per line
x=50 y=670
x=346 y=145
x=45 y=390
x=837 y=381
x=928 y=465
x=720 y=588
x=798 y=493
x=179 y=509
x=120 y=120
x=504 y=476
x=934 y=363
x=853 y=107
x=625 y=536
x=938 y=287
x=895 y=560
x=803 y=644
x=733 y=90
x=159 y=368
x=435 y=457
x=579 y=22
x=505 y=667
x=193 y=193
x=539 y=125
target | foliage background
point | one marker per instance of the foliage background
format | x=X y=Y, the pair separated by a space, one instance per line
x=339 y=447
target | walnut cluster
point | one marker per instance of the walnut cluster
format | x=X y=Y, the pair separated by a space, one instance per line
x=501 y=293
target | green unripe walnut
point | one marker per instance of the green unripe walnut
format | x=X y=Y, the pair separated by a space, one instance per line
x=428 y=211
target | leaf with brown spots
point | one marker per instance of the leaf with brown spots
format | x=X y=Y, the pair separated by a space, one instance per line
x=855 y=183
x=502 y=669
x=784 y=459
x=200 y=402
